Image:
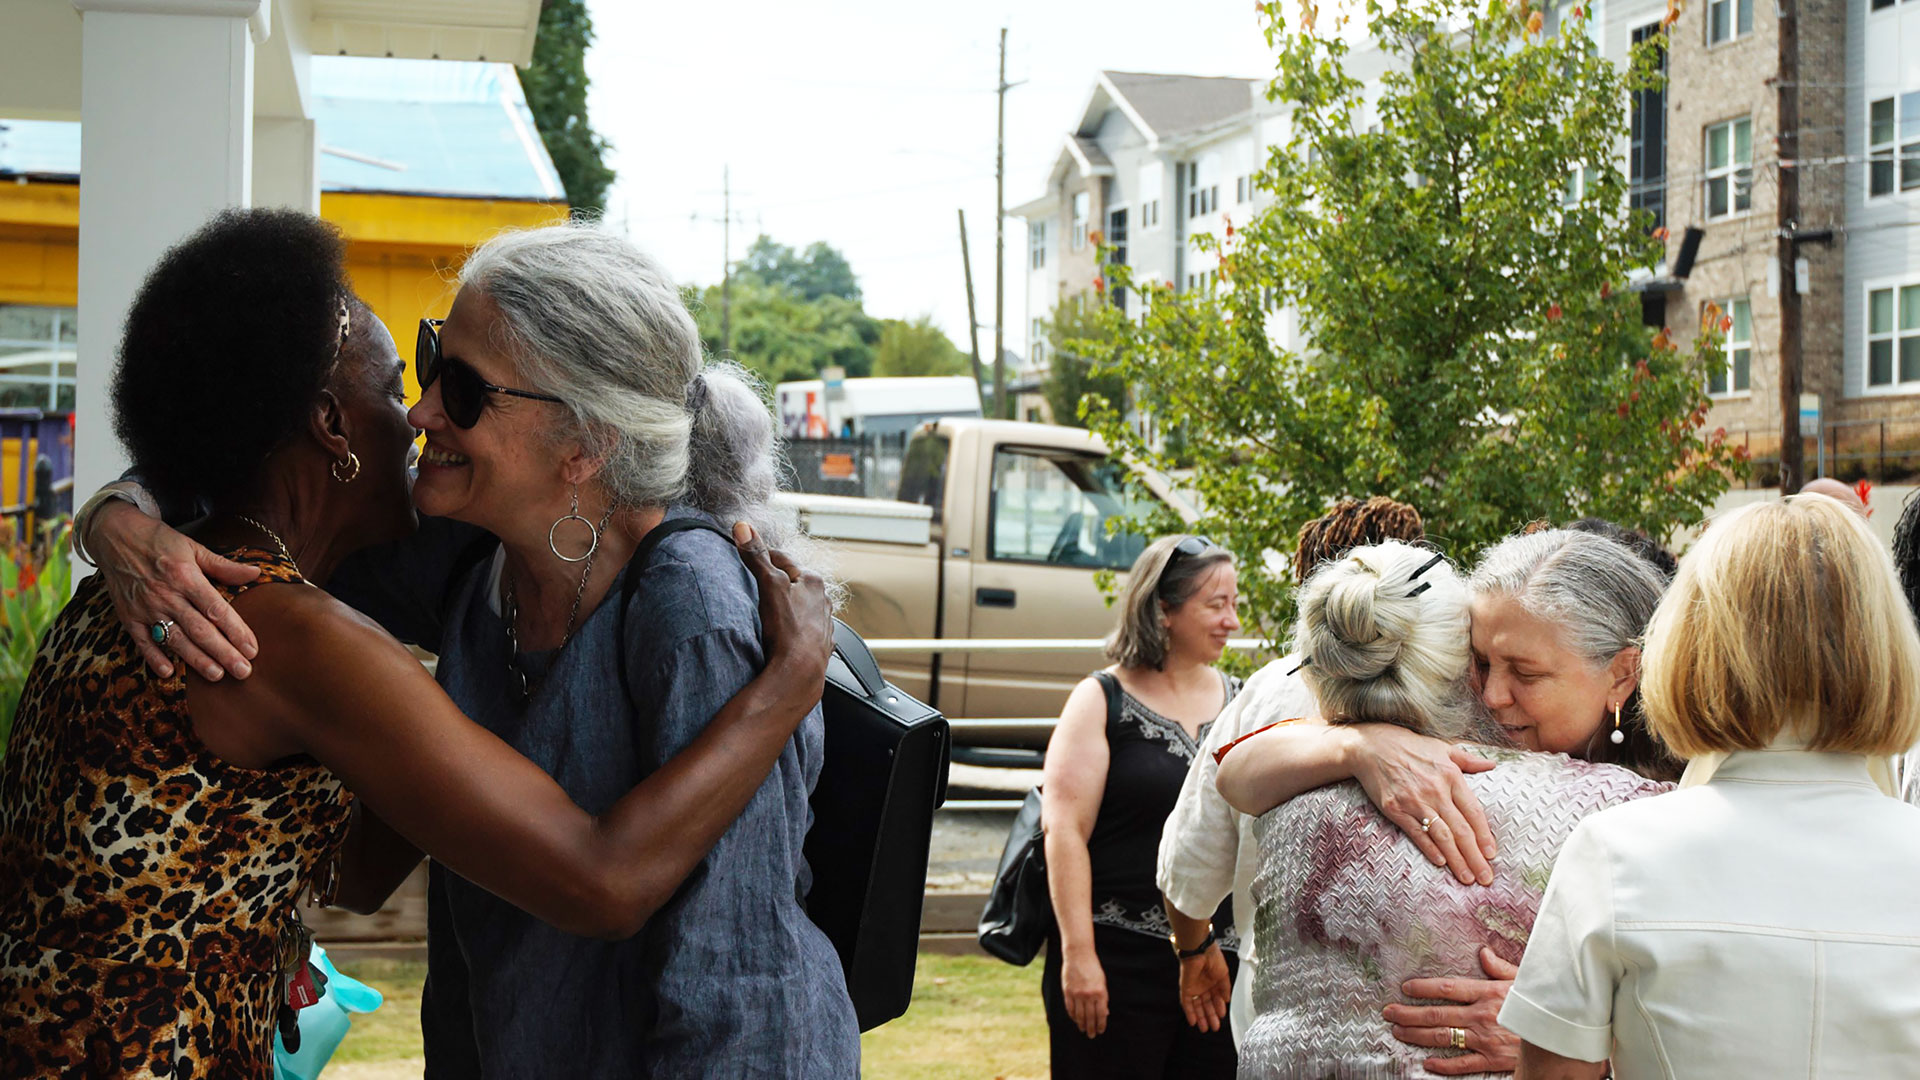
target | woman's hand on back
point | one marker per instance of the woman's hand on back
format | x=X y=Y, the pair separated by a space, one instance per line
x=1476 y=1011
x=1413 y=779
x=155 y=573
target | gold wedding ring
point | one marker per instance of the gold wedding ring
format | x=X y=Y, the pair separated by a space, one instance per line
x=1457 y=1038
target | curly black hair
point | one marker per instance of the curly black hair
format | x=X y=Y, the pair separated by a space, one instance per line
x=229 y=341
x=1906 y=552
x=1636 y=541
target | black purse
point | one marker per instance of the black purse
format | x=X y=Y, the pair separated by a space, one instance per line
x=1019 y=912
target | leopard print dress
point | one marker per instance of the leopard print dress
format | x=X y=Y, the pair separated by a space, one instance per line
x=144 y=881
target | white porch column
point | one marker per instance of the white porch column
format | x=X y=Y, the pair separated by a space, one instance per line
x=286 y=171
x=166 y=138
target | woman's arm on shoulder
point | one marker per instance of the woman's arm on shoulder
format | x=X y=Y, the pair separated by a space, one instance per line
x=1411 y=778
x=362 y=706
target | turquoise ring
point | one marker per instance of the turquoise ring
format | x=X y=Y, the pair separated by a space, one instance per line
x=160 y=630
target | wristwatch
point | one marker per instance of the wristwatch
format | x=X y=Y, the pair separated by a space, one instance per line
x=1188 y=954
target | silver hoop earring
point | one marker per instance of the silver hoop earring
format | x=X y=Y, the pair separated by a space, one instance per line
x=573 y=514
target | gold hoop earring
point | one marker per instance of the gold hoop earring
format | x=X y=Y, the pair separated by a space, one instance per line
x=1618 y=736
x=346 y=469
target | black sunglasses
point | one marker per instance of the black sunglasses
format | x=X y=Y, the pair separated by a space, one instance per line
x=464 y=393
x=1188 y=548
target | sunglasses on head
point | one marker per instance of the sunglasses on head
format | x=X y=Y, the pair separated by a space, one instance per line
x=1191 y=546
x=463 y=393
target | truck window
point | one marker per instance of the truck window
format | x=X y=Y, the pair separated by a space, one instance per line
x=923 y=472
x=1053 y=508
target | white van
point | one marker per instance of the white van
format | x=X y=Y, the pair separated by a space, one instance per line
x=858 y=408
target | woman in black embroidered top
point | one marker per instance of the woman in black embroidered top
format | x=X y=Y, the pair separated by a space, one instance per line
x=1114 y=768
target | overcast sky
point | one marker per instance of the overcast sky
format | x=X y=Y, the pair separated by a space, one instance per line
x=867 y=123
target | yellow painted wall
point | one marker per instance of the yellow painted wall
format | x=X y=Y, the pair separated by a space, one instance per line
x=402 y=251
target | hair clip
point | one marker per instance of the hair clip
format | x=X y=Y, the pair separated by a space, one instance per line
x=1304 y=661
x=1420 y=588
x=1426 y=566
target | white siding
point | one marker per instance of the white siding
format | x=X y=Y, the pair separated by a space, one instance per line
x=1883 y=60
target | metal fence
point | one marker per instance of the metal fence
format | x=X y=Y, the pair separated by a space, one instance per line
x=1005 y=742
x=867 y=467
x=1885 y=450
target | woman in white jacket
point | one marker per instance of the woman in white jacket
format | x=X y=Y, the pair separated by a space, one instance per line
x=1765 y=919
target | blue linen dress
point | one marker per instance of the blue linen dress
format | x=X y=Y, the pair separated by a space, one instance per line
x=730 y=978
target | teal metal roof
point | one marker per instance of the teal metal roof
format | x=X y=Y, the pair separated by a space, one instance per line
x=410 y=127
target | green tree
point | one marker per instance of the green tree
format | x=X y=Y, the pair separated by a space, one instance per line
x=1473 y=350
x=819 y=271
x=782 y=337
x=556 y=89
x=917 y=348
x=1071 y=374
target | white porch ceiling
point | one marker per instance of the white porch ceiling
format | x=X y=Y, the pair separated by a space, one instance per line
x=40 y=45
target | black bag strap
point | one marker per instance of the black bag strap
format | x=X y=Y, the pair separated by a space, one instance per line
x=1112 y=687
x=642 y=558
x=477 y=551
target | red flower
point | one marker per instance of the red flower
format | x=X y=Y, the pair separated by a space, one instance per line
x=1606 y=289
x=1229 y=222
x=1622 y=410
x=1100 y=285
x=1864 y=489
x=1553 y=313
x=1660 y=234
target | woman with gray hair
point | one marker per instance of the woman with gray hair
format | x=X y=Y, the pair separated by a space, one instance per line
x=1114 y=767
x=571 y=574
x=1347 y=905
x=1555 y=621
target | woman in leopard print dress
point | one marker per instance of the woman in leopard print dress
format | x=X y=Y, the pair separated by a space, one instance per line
x=156 y=830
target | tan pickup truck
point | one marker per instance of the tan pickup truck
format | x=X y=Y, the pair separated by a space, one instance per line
x=998 y=532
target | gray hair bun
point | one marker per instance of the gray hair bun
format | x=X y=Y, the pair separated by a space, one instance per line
x=1385 y=628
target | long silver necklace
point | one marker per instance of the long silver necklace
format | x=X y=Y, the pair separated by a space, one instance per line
x=510 y=611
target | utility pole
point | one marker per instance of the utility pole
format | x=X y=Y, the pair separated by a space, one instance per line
x=726 y=259
x=973 y=321
x=1001 y=403
x=1792 y=449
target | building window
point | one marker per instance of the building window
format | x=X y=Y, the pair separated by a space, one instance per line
x=1893 y=132
x=1082 y=207
x=1117 y=235
x=1150 y=214
x=1728 y=19
x=1647 y=141
x=1201 y=201
x=1037 y=244
x=1577 y=180
x=1729 y=168
x=1735 y=374
x=1893 y=346
x=1243 y=189
x=1037 y=343
x=37 y=353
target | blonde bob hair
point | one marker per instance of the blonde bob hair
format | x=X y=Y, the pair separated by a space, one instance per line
x=1785 y=619
x=1385 y=633
x=1157 y=584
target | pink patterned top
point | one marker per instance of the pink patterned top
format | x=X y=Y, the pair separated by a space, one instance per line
x=1348 y=908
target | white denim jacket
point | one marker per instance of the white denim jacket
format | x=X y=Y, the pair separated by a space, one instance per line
x=1764 y=923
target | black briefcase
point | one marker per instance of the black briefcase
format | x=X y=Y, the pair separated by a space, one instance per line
x=884 y=775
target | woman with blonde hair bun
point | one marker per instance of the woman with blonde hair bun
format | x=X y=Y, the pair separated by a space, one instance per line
x=1766 y=917
x=1347 y=905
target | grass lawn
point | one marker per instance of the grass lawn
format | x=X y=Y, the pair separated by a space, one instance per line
x=973 y=1018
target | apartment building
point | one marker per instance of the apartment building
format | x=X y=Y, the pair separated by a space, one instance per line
x=1152 y=161
x=1703 y=153
x=1725 y=174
